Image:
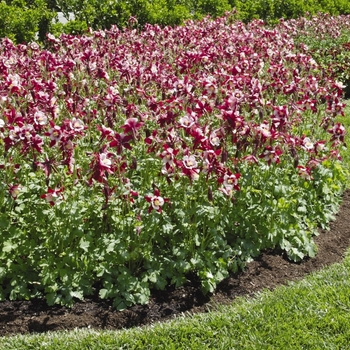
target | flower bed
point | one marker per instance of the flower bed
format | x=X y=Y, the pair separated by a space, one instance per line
x=130 y=160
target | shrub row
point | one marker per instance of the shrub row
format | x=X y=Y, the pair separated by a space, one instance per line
x=28 y=20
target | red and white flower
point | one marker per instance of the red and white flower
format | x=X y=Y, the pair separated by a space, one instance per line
x=53 y=195
x=157 y=201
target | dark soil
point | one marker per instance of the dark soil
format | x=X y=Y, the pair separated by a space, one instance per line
x=268 y=271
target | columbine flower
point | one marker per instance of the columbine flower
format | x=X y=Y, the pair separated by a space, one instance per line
x=186 y=121
x=339 y=85
x=168 y=155
x=271 y=154
x=55 y=134
x=105 y=162
x=320 y=146
x=214 y=139
x=52 y=195
x=338 y=132
x=264 y=129
x=40 y=118
x=132 y=125
x=307 y=144
x=304 y=172
x=156 y=201
x=14 y=133
x=231 y=181
x=189 y=162
x=76 y=124
x=14 y=191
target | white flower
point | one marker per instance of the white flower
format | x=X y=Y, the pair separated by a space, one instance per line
x=77 y=124
x=308 y=145
x=104 y=161
x=40 y=118
x=230 y=181
x=189 y=162
x=340 y=85
x=265 y=130
x=55 y=133
x=157 y=202
x=186 y=121
x=214 y=139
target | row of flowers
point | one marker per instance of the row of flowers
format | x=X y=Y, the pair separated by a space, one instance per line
x=141 y=119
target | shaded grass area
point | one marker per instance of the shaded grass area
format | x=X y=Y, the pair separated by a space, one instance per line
x=311 y=314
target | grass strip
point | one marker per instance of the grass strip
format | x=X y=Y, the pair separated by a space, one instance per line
x=310 y=314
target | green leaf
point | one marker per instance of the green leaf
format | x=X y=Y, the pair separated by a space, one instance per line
x=77 y=294
x=103 y=293
x=302 y=209
x=84 y=244
x=8 y=246
x=53 y=298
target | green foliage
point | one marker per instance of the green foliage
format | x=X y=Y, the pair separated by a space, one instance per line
x=25 y=21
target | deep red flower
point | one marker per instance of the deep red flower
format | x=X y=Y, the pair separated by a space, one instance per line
x=131 y=126
x=338 y=131
x=121 y=141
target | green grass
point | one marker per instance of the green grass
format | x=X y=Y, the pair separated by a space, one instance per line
x=311 y=314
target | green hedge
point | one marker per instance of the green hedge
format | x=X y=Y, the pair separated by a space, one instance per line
x=24 y=21
x=28 y=20
x=272 y=10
